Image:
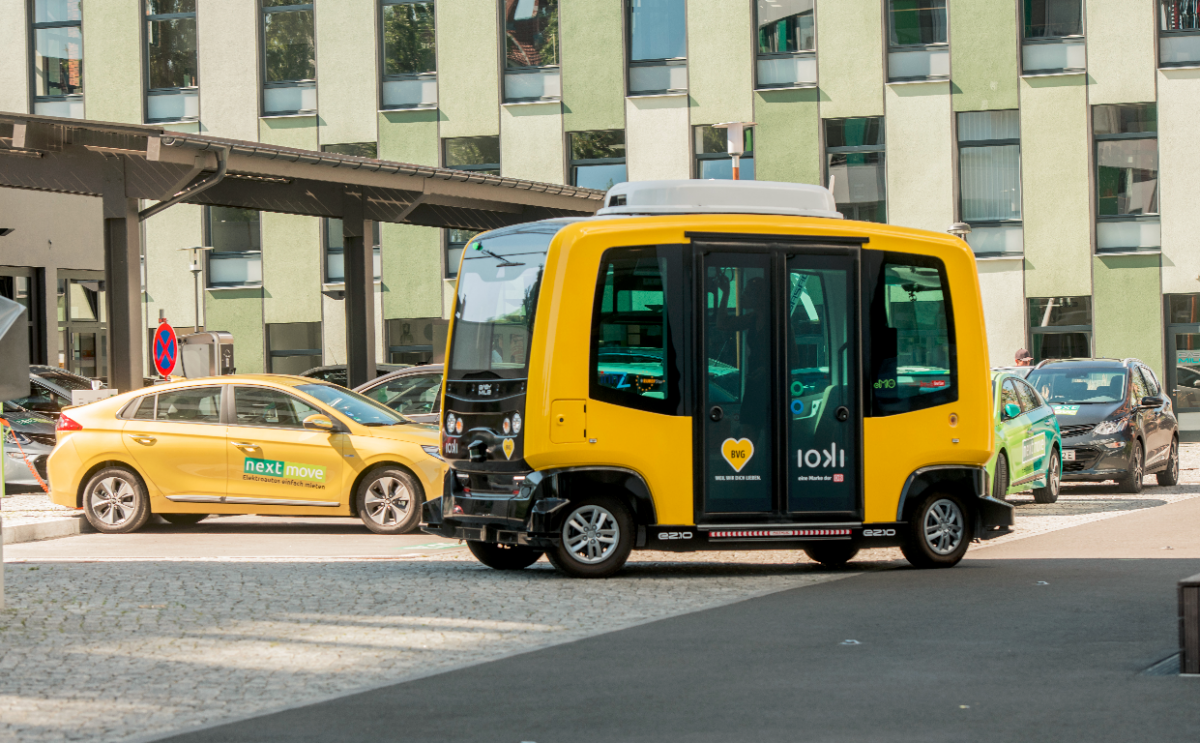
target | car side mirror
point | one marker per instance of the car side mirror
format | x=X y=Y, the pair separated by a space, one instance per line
x=1011 y=410
x=1151 y=402
x=318 y=422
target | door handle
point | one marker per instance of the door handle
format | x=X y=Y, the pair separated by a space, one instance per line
x=244 y=445
x=842 y=414
x=142 y=439
x=716 y=414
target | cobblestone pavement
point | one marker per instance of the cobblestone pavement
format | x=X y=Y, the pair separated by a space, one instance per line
x=114 y=650
x=21 y=508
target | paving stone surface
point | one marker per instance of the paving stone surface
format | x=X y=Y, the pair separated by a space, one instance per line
x=116 y=650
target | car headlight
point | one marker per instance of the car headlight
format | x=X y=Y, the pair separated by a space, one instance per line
x=507 y=426
x=450 y=423
x=516 y=422
x=432 y=451
x=1107 y=427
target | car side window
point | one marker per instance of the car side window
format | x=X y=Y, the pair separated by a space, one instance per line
x=190 y=405
x=1008 y=394
x=145 y=409
x=416 y=394
x=259 y=406
x=1029 y=401
x=1139 y=385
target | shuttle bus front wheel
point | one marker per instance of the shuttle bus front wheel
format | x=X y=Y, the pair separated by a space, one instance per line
x=938 y=532
x=597 y=537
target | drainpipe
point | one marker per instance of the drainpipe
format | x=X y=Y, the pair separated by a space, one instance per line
x=222 y=164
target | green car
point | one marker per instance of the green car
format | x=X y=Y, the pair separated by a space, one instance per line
x=1028 y=443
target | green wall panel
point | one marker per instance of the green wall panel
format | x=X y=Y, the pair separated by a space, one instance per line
x=593 y=64
x=112 y=70
x=720 y=62
x=347 y=77
x=1127 y=309
x=240 y=312
x=850 y=58
x=409 y=137
x=1120 y=51
x=1056 y=198
x=984 y=55
x=787 y=140
x=291 y=266
x=412 y=271
x=289 y=131
x=468 y=62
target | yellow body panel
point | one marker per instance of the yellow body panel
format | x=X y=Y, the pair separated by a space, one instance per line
x=659 y=447
x=179 y=458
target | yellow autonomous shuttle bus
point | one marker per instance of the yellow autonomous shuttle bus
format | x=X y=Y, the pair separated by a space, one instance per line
x=715 y=365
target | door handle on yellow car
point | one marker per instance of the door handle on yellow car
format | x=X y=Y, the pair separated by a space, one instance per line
x=142 y=439
x=244 y=445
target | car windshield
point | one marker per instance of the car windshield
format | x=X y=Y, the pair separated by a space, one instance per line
x=1078 y=386
x=361 y=410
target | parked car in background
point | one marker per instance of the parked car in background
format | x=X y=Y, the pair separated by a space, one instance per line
x=45 y=397
x=1019 y=371
x=1116 y=421
x=1028 y=445
x=28 y=441
x=415 y=392
x=336 y=373
x=68 y=380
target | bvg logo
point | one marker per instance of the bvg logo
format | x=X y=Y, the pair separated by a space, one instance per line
x=831 y=457
x=737 y=453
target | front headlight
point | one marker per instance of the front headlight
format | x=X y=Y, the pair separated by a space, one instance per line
x=1107 y=427
x=516 y=422
x=432 y=451
x=450 y=423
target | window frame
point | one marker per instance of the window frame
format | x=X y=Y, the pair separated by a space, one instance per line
x=271 y=353
x=148 y=92
x=980 y=143
x=880 y=148
x=264 y=84
x=542 y=70
x=1086 y=330
x=221 y=418
x=889 y=13
x=33 y=27
x=206 y=233
x=760 y=56
x=1164 y=33
x=232 y=407
x=698 y=157
x=630 y=63
x=1145 y=218
x=431 y=76
x=1051 y=40
x=572 y=162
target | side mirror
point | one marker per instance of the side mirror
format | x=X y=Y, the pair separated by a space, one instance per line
x=318 y=422
x=1151 y=402
x=1011 y=410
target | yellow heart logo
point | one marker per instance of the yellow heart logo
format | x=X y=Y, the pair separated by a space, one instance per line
x=508 y=447
x=737 y=453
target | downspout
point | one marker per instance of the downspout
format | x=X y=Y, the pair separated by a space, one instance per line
x=222 y=153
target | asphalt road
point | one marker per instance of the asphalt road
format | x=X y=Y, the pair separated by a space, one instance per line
x=1045 y=638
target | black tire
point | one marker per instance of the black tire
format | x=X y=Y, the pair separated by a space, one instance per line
x=504 y=556
x=583 y=552
x=389 y=500
x=831 y=554
x=1132 y=482
x=183 y=519
x=1049 y=494
x=939 y=531
x=115 y=501
x=1000 y=481
x=1170 y=476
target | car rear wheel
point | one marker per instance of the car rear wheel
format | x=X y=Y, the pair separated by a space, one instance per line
x=183 y=519
x=1049 y=494
x=938 y=532
x=597 y=537
x=389 y=501
x=1000 y=481
x=504 y=556
x=1132 y=482
x=115 y=501
x=831 y=554
x=1170 y=476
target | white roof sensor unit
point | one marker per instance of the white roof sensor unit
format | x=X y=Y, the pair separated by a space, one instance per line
x=719 y=197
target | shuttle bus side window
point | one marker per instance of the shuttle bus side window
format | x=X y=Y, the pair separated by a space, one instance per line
x=634 y=355
x=908 y=342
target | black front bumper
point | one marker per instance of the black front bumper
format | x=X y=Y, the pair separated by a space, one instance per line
x=1096 y=459
x=521 y=515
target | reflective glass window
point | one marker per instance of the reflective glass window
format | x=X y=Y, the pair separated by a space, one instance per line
x=236 y=241
x=855 y=167
x=294 y=347
x=598 y=158
x=171 y=43
x=57 y=48
x=190 y=404
x=414 y=394
x=259 y=406
x=530 y=33
x=917 y=22
x=289 y=41
x=657 y=29
x=1052 y=18
x=786 y=26
x=409 y=40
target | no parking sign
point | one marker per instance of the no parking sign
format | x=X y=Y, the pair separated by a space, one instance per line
x=165 y=348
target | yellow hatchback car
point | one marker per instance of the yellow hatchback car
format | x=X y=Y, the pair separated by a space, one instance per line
x=263 y=444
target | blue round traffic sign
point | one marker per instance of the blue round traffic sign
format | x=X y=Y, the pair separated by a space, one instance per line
x=166 y=349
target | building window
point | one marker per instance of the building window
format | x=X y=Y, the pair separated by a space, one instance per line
x=293 y=347
x=172 y=89
x=334 y=247
x=58 y=58
x=409 y=54
x=1183 y=359
x=917 y=44
x=531 y=55
x=1126 y=177
x=236 y=256
x=479 y=154
x=989 y=177
x=411 y=340
x=598 y=158
x=854 y=152
x=456 y=242
x=1179 y=33
x=712 y=154
x=83 y=323
x=1060 y=328
x=20 y=285
x=289 y=58
x=787 y=44
x=1052 y=37
x=657 y=47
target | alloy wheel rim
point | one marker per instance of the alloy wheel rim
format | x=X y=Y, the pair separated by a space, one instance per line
x=113 y=500
x=1174 y=460
x=387 y=501
x=1137 y=467
x=1055 y=475
x=591 y=534
x=944 y=526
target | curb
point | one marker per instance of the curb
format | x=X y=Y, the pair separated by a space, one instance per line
x=45 y=529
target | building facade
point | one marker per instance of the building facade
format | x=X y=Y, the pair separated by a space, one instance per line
x=1057 y=129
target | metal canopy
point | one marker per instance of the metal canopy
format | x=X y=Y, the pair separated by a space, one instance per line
x=124 y=164
x=72 y=156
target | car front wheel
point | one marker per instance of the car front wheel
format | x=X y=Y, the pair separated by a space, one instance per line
x=115 y=501
x=1132 y=482
x=1000 y=485
x=389 y=501
x=938 y=532
x=1049 y=494
x=597 y=536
